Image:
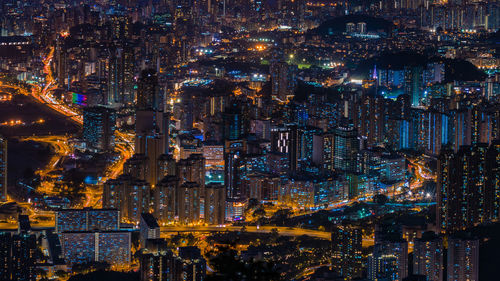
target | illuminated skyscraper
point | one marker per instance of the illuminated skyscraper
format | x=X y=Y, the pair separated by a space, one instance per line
x=492 y=182
x=188 y=202
x=468 y=187
x=324 y=151
x=192 y=169
x=61 y=62
x=99 y=127
x=283 y=81
x=414 y=84
x=346 y=148
x=463 y=259
x=120 y=74
x=233 y=123
x=301 y=147
x=3 y=168
x=194 y=266
x=159 y=266
x=164 y=199
x=163 y=264
x=263 y=186
x=369 y=118
x=148 y=92
x=389 y=260
x=215 y=204
x=428 y=257
x=233 y=155
x=5 y=250
x=461 y=128
x=23 y=257
x=137 y=166
x=280 y=139
x=17 y=256
x=151 y=126
x=151 y=123
x=130 y=196
x=214 y=162
x=261 y=128
x=119 y=29
x=437 y=133
x=166 y=166
x=154 y=148
x=346 y=247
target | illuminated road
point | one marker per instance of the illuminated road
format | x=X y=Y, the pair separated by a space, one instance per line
x=420 y=176
x=43 y=94
x=125 y=146
x=60 y=144
x=285 y=231
x=309 y=271
x=61 y=149
x=422 y=171
x=125 y=142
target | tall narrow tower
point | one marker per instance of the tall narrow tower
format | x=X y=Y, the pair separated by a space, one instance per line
x=3 y=169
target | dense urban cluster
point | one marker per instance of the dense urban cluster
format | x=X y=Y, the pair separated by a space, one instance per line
x=319 y=140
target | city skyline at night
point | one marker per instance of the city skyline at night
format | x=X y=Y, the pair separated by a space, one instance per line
x=236 y=140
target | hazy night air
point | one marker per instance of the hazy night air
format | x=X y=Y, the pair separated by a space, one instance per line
x=240 y=140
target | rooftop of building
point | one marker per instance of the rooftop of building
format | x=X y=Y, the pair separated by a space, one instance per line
x=150 y=220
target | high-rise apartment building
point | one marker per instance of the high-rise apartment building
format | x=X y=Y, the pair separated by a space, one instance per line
x=130 y=196
x=389 y=260
x=137 y=167
x=192 y=169
x=233 y=122
x=467 y=187
x=428 y=253
x=5 y=252
x=166 y=166
x=99 y=127
x=324 y=151
x=18 y=256
x=192 y=264
x=301 y=147
x=151 y=124
x=148 y=94
x=463 y=259
x=215 y=204
x=188 y=202
x=163 y=264
x=165 y=199
x=283 y=81
x=3 y=168
x=106 y=246
x=214 y=162
x=87 y=219
x=233 y=154
x=159 y=266
x=23 y=257
x=369 y=117
x=346 y=248
x=346 y=148
x=414 y=84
